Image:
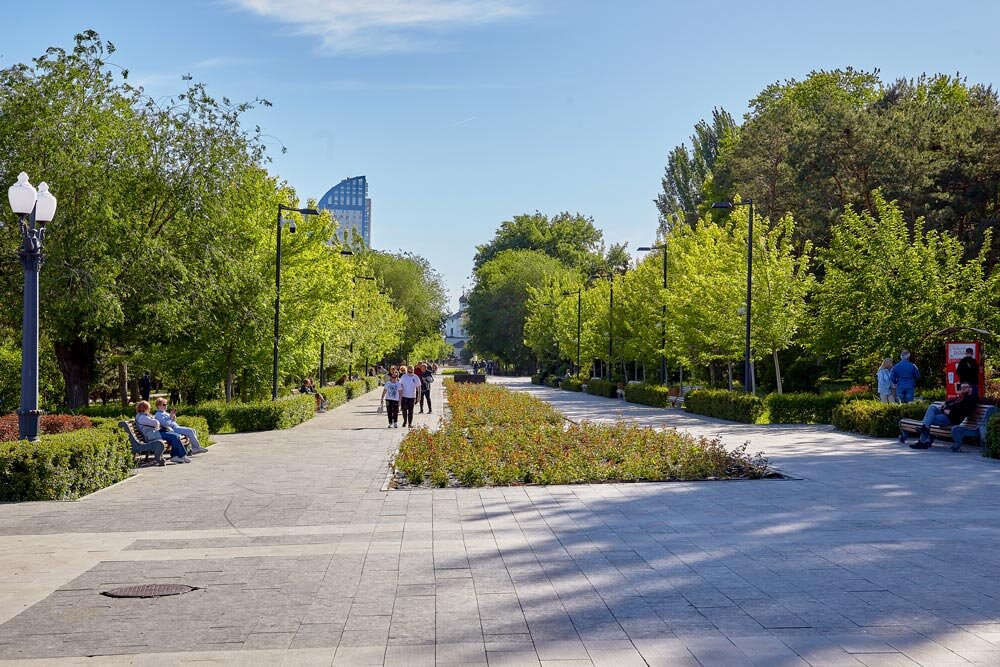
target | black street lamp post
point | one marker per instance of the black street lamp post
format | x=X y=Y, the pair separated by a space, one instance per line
x=34 y=209
x=350 y=360
x=663 y=312
x=277 y=285
x=579 y=295
x=747 y=369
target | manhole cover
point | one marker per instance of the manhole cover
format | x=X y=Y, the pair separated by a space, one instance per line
x=149 y=591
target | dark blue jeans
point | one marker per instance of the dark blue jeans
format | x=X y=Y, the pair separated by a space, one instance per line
x=904 y=393
x=935 y=417
x=176 y=446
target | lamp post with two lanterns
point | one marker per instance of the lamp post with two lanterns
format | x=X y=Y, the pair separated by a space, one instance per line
x=277 y=284
x=34 y=208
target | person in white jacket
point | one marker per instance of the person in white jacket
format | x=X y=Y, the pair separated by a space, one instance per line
x=169 y=419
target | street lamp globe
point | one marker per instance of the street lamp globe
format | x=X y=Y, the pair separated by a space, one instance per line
x=45 y=204
x=21 y=195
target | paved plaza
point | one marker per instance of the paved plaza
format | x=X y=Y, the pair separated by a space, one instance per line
x=872 y=554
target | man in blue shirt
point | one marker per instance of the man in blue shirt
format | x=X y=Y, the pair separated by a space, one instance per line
x=905 y=376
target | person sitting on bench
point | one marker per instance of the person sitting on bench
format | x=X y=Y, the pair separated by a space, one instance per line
x=151 y=430
x=169 y=419
x=954 y=412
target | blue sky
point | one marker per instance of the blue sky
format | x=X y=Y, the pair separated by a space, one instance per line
x=463 y=113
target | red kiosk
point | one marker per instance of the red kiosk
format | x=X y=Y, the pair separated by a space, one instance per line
x=954 y=353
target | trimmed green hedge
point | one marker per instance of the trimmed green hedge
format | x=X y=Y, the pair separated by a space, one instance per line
x=537 y=378
x=355 y=388
x=64 y=466
x=371 y=382
x=111 y=410
x=656 y=395
x=199 y=424
x=803 y=408
x=271 y=415
x=552 y=381
x=991 y=448
x=875 y=418
x=572 y=384
x=335 y=395
x=602 y=388
x=215 y=413
x=732 y=405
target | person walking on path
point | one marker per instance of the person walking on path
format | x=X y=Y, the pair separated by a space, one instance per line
x=968 y=371
x=954 y=412
x=905 y=376
x=390 y=398
x=410 y=391
x=145 y=385
x=426 y=379
x=884 y=378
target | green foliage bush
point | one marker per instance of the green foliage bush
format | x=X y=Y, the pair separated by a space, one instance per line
x=933 y=394
x=875 y=418
x=803 y=408
x=656 y=395
x=48 y=424
x=732 y=405
x=371 y=382
x=10 y=379
x=602 y=388
x=64 y=466
x=335 y=395
x=532 y=447
x=215 y=413
x=355 y=388
x=991 y=448
x=110 y=410
x=572 y=384
x=537 y=378
x=271 y=415
x=552 y=381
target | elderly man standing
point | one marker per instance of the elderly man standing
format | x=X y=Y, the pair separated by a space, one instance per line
x=905 y=376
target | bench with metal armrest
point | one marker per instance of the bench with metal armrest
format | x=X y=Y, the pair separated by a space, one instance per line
x=973 y=427
x=149 y=447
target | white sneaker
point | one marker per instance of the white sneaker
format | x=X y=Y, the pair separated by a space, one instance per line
x=186 y=459
x=177 y=459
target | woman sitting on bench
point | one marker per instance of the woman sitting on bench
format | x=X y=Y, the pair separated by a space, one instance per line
x=151 y=430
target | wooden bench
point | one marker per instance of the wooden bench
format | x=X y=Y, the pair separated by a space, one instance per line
x=973 y=427
x=149 y=447
x=677 y=400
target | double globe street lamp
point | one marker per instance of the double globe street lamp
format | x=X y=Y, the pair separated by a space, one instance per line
x=35 y=209
x=277 y=284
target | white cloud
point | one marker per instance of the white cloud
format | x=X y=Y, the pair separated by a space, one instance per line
x=377 y=26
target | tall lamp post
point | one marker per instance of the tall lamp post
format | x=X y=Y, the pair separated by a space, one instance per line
x=747 y=379
x=34 y=209
x=350 y=360
x=579 y=295
x=277 y=284
x=611 y=319
x=322 y=345
x=663 y=313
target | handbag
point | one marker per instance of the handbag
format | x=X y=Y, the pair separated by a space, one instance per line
x=381 y=408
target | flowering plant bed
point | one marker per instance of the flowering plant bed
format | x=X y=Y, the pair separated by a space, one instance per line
x=497 y=437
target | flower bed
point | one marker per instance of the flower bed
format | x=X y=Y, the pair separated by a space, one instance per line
x=497 y=437
x=48 y=424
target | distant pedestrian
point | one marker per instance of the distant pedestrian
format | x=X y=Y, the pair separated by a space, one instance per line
x=426 y=380
x=905 y=376
x=145 y=385
x=884 y=378
x=410 y=391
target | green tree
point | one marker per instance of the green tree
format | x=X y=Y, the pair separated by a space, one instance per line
x=416 y=290
x=570 y=238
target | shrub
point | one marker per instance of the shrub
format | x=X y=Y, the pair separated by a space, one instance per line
x=355 y=388
x=804 y=408
x=656 y=395
x=531 y=452
x=552 y=381
x=572 y=384
x=111 y=410
x=10 y=379
x=199 y=424
x=933 y=394
x=602 y=388
x=991 y=447
x=451 y=371
x=215 y=413
x=371 y=382
x=334 y=395
x=65 y=465
x=271 y=415
x=875 y=418
x=723 y=404
x=48 y=424
x=536 y=378
x=827 y=384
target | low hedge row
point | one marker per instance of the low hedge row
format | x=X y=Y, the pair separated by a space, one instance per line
x=602 y=388
x=355 y=388
x=64 y=466
x=723 y=404
x=874 y=417
x=335 y=395
x=199 y=424
x=991 y=448
x=537 y=378
x=656 y=395
x=803 y=408
x=553 y=381
x=572 y=384
x=271 y=415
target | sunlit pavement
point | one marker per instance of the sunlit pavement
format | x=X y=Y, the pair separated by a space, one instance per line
x=874 y=554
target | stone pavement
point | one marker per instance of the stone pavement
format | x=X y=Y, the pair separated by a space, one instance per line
x=874 y=555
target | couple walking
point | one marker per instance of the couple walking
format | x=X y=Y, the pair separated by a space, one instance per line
x=403 y=392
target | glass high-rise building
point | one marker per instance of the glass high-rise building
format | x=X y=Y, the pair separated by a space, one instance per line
x=348 y=202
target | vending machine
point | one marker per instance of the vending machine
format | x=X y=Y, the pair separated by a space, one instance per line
x=954 y=353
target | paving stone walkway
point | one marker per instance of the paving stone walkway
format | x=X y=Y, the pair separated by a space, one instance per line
x=874 y=555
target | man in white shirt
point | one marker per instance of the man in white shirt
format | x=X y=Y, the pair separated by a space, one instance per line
x=411 y=393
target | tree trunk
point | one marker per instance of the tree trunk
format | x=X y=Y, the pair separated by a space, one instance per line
x=76 y=362
x=730 y=363
x=123 y=383
x=133 y=386
x=229 y=379
x=777 y=370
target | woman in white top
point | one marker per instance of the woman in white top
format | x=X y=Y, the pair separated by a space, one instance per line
x=390 y=398
x=884 y=379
